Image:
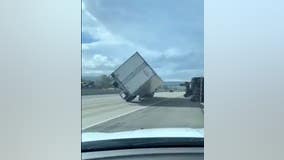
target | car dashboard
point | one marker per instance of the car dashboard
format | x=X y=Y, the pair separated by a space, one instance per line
x=144 y=148
x=171 y=153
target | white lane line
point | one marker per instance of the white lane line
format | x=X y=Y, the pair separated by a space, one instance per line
x=123 y=114
x=120 y=115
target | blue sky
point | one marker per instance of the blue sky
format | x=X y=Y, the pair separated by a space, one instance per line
x=167 y=33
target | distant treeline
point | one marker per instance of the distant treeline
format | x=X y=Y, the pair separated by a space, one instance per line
x=102 y=82
x=105 y=82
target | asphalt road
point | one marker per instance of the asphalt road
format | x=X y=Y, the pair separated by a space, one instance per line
x=109 y=113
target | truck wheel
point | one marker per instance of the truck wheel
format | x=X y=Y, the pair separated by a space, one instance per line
x=151 y=95
x=130 y=98
x=195 y=98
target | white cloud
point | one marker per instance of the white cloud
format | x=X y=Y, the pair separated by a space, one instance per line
x=173 y=47
x=95 y=28
x=99 y=60
x=99 y=64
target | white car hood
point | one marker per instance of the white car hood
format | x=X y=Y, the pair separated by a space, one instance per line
x=145 y=133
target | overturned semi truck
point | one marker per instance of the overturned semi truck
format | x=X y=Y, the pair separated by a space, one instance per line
x=135 y=77
x=195 y=89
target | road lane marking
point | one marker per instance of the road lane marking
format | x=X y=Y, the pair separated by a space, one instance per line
x=120 y=115
x=88 y=113
x=123 y=114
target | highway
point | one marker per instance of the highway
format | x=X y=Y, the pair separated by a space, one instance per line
x=110 y=113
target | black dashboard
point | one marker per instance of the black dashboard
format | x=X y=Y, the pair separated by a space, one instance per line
x=173 y=153
x=145 y=148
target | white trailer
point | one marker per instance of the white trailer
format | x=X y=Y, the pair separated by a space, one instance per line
x=135 y=77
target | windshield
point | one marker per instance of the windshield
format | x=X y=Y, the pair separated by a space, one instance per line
x=142 y=69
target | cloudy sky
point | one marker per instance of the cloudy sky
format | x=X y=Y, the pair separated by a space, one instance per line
x=167 y=33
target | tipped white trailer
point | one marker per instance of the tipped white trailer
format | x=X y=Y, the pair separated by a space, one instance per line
x=135 y=78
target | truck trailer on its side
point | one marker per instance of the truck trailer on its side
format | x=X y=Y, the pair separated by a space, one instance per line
x=195 y=89
x=135 y=78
